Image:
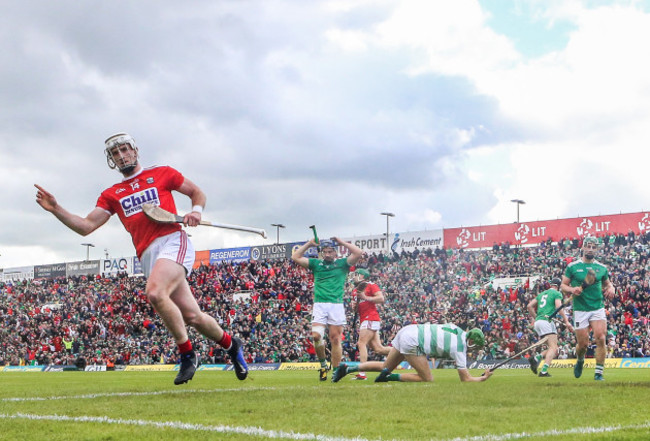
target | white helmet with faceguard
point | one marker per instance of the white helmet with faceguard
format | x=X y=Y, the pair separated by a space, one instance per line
x=115 y=157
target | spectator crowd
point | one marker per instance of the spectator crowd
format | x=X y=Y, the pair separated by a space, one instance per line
x=108 y=320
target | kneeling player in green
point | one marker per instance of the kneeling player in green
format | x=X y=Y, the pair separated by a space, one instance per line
x=542 y=307
x=414 y=343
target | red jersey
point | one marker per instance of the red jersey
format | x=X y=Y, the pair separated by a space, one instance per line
x=152 y=185
x=368 y=310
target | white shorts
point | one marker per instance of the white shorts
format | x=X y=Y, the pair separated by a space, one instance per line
x=328 y=314
x=581 y=319
x=544 y=327
x=406 y=341
x=370 y=324
x=176 y=246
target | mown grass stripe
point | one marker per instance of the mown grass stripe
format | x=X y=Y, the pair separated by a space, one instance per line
x=249 y=431
x=280 y=434
x=554 y=432
x=134 y=394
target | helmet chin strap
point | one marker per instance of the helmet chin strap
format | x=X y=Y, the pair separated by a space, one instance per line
x=129 y=168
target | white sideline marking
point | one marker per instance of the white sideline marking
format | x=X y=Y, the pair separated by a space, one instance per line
x=161 y=392
x=134 y=394
x=251 y=431
x=554 y=432
x=257 y=431
x=270 y=433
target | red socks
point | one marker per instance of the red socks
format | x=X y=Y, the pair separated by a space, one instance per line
x=186 y=347
x=226 y=341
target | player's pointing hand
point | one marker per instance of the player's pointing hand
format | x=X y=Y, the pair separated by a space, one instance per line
x=45 y=199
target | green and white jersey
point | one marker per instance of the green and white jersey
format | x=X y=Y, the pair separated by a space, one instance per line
x=329 y=279
x=443 y=341
x=591 y=298
x=546 y=303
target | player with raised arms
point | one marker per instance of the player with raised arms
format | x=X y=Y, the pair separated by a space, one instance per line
x=165 y=251
x=414 y=343
x=330 y=274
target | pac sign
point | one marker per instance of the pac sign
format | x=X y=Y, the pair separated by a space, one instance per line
x=115 y=265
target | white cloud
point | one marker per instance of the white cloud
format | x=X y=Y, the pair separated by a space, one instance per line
x=324 y=112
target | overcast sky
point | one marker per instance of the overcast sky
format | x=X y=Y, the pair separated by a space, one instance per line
x=324 y=112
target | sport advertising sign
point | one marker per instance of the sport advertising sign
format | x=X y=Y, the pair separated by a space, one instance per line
x=292 y=247
x=532 y=233
x=83 y=268
x=590 y=363
x=233 y=255
x=111 y=267
x=369 y=244
x=422 y=240
x=635 y=362
x=489 y=364
x=408 y=241
x=271 y=252
x=49 y=271
x=18 y=273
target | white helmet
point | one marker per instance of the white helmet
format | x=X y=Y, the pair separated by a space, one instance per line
x=117 y=140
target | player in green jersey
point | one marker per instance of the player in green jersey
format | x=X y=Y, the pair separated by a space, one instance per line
x=414 y=343
x=541 y=307
x=587 y=280
x=330 y=275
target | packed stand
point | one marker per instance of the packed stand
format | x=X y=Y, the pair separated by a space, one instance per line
x=108 y=320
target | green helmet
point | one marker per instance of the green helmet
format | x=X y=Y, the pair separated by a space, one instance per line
x=590 y=239
x=364 y=272
x=476 y=336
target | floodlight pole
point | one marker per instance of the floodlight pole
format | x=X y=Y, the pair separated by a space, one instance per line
x=518 y=202
x=388 y=216
x=87 y=245
x=277 y=227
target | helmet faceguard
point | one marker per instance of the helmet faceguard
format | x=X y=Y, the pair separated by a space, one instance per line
x=363 y=272
x=589 y=247
x=556 y=281
x=328 y=244
x=360 y=278
x=475 y=338
x=115 y=156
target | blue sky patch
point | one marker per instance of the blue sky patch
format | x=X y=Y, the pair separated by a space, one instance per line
x=531 y=33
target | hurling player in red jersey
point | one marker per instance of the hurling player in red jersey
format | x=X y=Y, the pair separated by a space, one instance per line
x=166 y=253
x=368 y=296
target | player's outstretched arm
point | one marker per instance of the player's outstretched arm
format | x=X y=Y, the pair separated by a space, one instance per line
x=298 y=256
x=78 y=224
x=466 y=376
x=356 y=253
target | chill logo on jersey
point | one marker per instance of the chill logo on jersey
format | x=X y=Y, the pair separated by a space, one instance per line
x=132 y=204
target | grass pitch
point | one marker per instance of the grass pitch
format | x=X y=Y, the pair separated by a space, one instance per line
x=513 y=404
